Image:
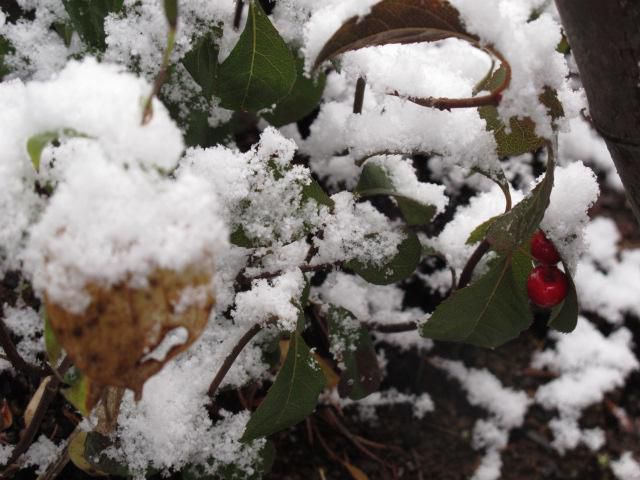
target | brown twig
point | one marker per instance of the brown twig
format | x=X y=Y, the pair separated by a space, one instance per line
x=14 y=357
x=467 y=272
x=32 y=429
x=246 y=281
x=231 y=358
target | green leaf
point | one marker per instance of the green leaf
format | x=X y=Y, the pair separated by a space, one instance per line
x=361 y=375
x=520 y=139
x=95 y=445
x=301 y=101
x=87 y=18
x=480 y=232
x=51 y=344
x=292 y=397
x=260 y=71
x=64 y=31
x=564 y=317
x=313 y=191
x=171 y=13
x=37 y=143
x=375 y=180
x=78 y=390
x=515 y=227
x=398 y=268
x=490 y=311
x=5 y=49
x=202 y=62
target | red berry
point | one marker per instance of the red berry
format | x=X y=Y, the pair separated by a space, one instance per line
x=543 y=250
x=547 y=286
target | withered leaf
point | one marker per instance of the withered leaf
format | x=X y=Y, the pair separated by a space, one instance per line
x=111 y=340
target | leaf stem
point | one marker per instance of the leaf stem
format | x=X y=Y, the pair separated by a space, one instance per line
x=392 y=327
x=231 y=358
x=467 y=272
x=147 y=114
x=14 y=357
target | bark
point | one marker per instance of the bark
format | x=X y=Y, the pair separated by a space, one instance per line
x=605 y=39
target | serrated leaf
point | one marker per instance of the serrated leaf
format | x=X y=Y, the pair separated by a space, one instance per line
x=37 y=143
x=480 y=232
x=87 y=18
x=490 y=311
x=401 y=266
x=521 y=137
x=375 y=180
x=564 y=317
x=395 y=21
x=303 y=98
x=260 y=70
x=202 y=62
x=515 y=227
x=352 y=342
x=292 y=397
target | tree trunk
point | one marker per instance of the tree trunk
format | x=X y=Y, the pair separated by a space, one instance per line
x=605 y=39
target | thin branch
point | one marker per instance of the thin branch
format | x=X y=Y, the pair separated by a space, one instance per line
x=246 y=281
x=231 y=358
x=467 y=272
x=13 y=356
x=358 y=100
x=32 y=429
x=147 y=113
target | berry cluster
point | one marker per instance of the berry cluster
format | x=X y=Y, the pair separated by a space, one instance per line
x=547 y=284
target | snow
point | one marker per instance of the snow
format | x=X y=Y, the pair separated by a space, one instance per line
x=589 y=365
x=28 y=326
x=83 y=237
x=626 y=467
x=575 y=190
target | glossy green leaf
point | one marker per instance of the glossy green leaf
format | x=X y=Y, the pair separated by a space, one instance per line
x=292 y=397
x=515 y=227
x=398 y=268
x=303 y=98
x=361 y=375
x=480 y=232
x=87 y=18
x=37 y=143
x=202 y=62
x=489 y=312
x=260 y=71
x=375 y=180
x=564 y=317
